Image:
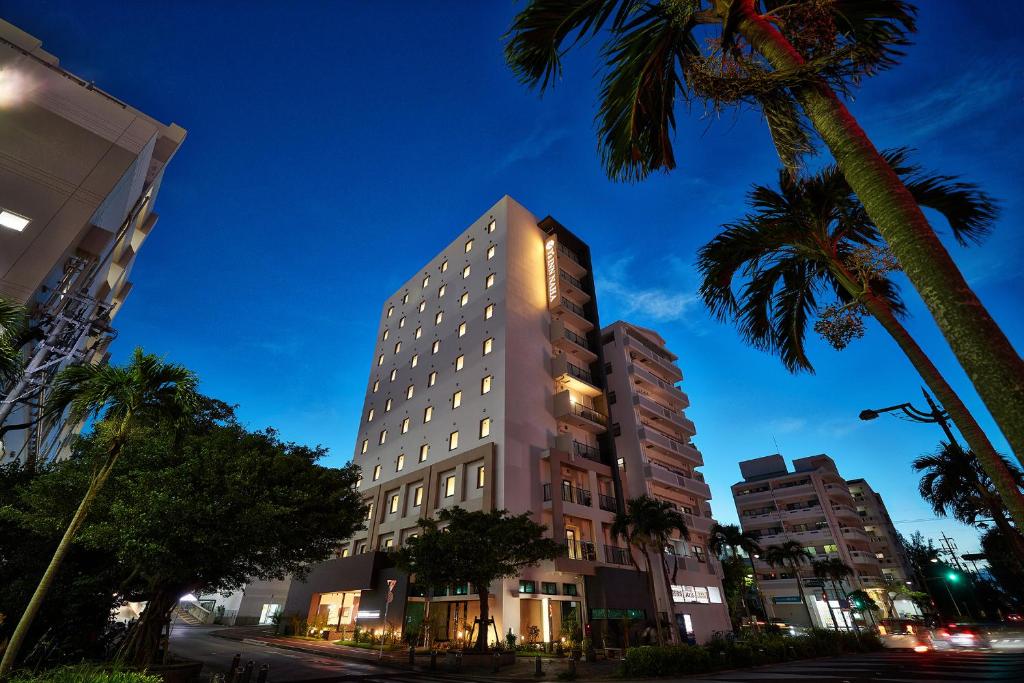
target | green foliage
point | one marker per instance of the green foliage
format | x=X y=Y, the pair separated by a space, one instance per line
x=954 y=482
x=12 y=327
x=86 y=674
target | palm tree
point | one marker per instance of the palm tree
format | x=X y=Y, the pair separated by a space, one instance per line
x=649 y=524
x=791 y=555
x=822 y=571
x=729 y=537
x=12 y=325
x=861 y=602
x=145 y=391
x=838 y=571
x=955 y=485
x=793 y=60
x=810 y=237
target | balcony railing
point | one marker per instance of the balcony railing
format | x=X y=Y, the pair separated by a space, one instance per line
x=607 y=502
x=589 y=414
x=569 y=254
x=570 y=494
x=613 y=554
x=575 y=282
x=575 y=308
x=579 y=373
x=577 y=339
x=581 y=550
x=586 y=451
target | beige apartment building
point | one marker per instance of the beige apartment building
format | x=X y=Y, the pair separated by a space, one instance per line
x=79 y=174
x=656 y=457
x=814 y=506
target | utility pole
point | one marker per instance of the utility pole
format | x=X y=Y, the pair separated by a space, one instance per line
x=950 y=549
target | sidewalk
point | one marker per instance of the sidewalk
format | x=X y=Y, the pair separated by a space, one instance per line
x=522 y=670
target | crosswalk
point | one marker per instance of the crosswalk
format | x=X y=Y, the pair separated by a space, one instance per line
x=888 y=666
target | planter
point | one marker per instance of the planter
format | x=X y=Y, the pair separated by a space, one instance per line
x=458 y=661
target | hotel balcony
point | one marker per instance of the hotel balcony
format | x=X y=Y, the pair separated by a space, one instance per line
x=569 y=494
x=698 y=524
x=873 y=582
x=667 y=477
x=607 y=503
x=785 y=492
x=570 y=262
x=666 y=391
x=652 y=438
x=614 y=554
x=656 y=411
x=855 y=534
x=846 y=511
x=863 y=557
x=643 y=353
x=572 y=376
x=581 y=550
x=586 y=418
x=572 y=287
x=838 y=492
x=572 y=343
x=572 y=312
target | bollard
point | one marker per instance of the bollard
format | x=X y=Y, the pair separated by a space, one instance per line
x=496 y=662
x=537 y=670
x=263 y=673
x=412 y=655
x=236 y=662
x=433 y=660
x=247 y=672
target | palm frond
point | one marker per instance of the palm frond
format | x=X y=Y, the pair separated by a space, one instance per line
x=875 y=30
x=788 y=128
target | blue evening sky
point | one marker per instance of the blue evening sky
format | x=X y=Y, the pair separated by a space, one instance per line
x=334 y=147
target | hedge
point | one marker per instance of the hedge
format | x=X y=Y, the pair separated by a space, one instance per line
x=85 y=674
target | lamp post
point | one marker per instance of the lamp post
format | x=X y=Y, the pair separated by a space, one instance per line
x=936 y=415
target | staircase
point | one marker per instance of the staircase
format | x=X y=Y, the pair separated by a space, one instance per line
x=183 y=616
x=192 y=613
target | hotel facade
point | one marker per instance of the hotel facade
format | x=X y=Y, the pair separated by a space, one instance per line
x=79 y=174
x=815 y=506
x=488 y=390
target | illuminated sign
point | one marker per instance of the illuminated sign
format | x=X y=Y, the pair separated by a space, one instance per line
x=368 y=614
x=551 y=269
x=702 y=594
x=687 y=594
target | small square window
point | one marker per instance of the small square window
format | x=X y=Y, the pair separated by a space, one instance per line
x=485 y=384
x=469 y=245
x=444 y=266
x=398 y=348
x=485 y=427
x=489 y=312
x=376 y=472
x=549 y=588
x=387 y=406
x=424 y=452
x=388 y=543
x=432 y=378
x=527 y=586
x=464 y=299
x=439 y=317
x=393 y=507
x=465 y=272
x=423 y=305
x=492 y=226
x=462 y=329
x=426 y=281
x=405 y=425
x=369 y=511
x=489 y=282
x=415 y=360
x=453 y=441
x=441 y=290
x=369 y=416
x=409 y=391
x=383 y=437
x=436 y=346
x=362 y=547
x=380 y=360
x=449 y=486
x=569 y=589
x=393 y=375
x=400 y=463
x=456 y=399
x=459 y=362
x=386 y=334
x=481 y=476
x=391 y=309
x=417 y=496
x=344 y=552
x=418 y=333
x=488 y=345
x=428 y=414
x=490 y=252
x=401 y=322
x=376 y=385
x=365 y=445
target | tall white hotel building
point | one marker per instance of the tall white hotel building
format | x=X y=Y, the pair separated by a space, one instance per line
x=487 y=390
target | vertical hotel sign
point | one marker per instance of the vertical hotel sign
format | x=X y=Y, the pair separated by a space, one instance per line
x=551 y=269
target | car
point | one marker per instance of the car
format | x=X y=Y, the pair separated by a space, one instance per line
x=959 y=637
x=905 y=634
x=1015 y=618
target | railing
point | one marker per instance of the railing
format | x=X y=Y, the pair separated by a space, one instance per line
x=586 y=451
x=575 y=282
x=648 y=376
x=569 y=254
x=589 y=414
x=570 y=494
x=579 y=373
x=577 y=339
x=196 y=611
x=581 y=550
x=613 y=554
x=578 y=310
x=607 y=503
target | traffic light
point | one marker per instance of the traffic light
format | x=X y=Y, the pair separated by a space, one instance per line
x=953 y=576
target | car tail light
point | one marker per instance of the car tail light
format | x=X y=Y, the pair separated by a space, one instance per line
x=920 y=648
x=942 y=633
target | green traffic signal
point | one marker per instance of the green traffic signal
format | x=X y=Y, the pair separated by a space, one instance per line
x=953 y=576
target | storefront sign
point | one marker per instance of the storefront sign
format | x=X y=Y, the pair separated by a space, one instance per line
x=551 y=269
x=368 y=614
x=687 y=594
x=781 y=599
x=701 y=594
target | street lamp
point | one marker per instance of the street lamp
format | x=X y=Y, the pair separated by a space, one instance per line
x=936 y=415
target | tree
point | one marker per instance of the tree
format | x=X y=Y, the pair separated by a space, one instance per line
x=477 y=548
x=793 y=61
x=812 y=236
x=648 y=524
x=835 y=571
x=1007 y=572
x=821 y=571
x=12 y=326
x=862 y=603
x=791 y=555
x=730 y=538
x=955 y=484
x=146 y=391
x=201 y=509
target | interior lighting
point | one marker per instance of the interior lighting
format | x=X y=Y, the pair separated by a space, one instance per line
x=9 y=219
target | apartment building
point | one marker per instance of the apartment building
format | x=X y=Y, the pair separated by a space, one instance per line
x=486 y=390
x=814 y=506
x=657 y=459
x=79 y=174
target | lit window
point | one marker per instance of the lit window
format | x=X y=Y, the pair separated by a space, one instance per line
x=485 y=384
x=369 y=416
x=364 y=446
x=469 y=245
x=489 y=282
x=441 y=290
x=362 y=547
x=436 y=346
x=400 y=463
x=391 y=309
x=424 y=452
x=401 y=322
x=481 y=477
x=453 y=441
x=409 y=390
x=417 y=496
x=393 y=375
x=393 y=507
x=444 y=266
x=376 y=385
x=415 y=360
x=439 y=317
x=449 y=485
x=9 y=219
x=344 y=552
x=459 y=362
x=492 y=226
x=398 y=348
x=419 y=332
x=490 y=252
x=423 y=305
x=369 y=511
x=488 y=345
x=405 y=425
x=465 y=272
x=388 y=542
x=432 y=378
x=456 y=399
x=464 y=299
x=485 y=427
x=383 y=436
x=462 y=329
x=489 y=312
x=386 y=333
x=380 y=360
x=405 y=298
x=428 y=414
x=387 y=406
x=426 y=281
x=376 y=476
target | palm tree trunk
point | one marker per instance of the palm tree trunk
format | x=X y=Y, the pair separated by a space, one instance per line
x=981 y=347
x=36 y=602
x=831 y=613
x=672 y=630
x=654 y=596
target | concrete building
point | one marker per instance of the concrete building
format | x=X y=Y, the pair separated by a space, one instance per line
x=79 y=174
x=814 y=506
x=487 y=390
x=652 y=441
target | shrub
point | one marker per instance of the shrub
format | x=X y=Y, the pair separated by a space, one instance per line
x=85 y=674
x=666 y=660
